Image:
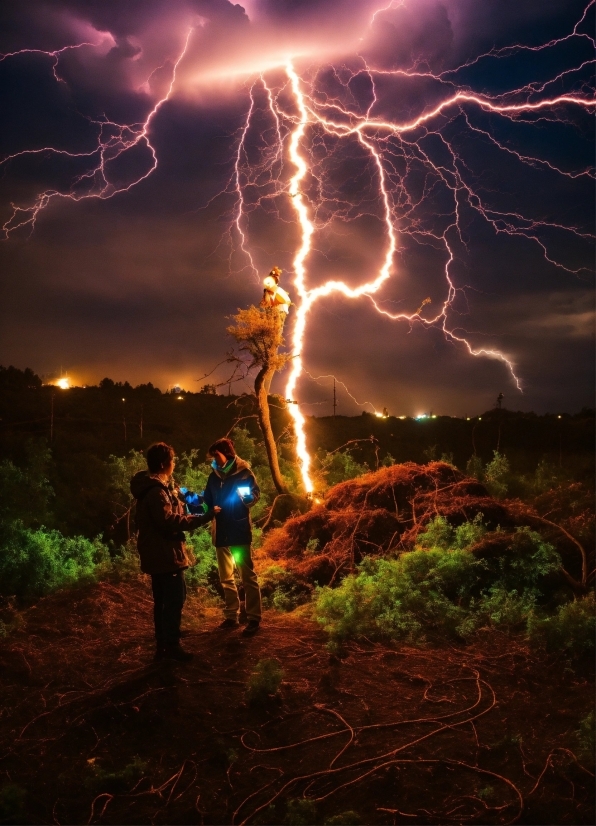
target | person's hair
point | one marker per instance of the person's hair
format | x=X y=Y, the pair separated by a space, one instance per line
x=159 y=456
x=225 y=446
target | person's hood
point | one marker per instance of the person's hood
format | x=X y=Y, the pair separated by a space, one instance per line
x=141 y=482
x=239 y=464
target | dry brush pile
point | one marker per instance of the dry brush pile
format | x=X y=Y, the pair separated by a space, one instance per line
x=383 y=513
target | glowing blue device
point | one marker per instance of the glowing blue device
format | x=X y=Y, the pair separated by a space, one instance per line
x=244 y=491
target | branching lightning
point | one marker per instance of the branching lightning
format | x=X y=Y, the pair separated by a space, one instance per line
x=306 y=125
x=113 y=140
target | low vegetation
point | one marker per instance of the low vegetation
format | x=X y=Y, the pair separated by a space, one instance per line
x=399 y=607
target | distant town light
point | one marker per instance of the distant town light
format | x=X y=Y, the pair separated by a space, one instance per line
x=63 y=384
x=180 y=398
x=558 y=417
x=402 y=417
x=433 y=416
x=422 y=416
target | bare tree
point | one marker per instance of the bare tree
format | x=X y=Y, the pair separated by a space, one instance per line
x=259 y=333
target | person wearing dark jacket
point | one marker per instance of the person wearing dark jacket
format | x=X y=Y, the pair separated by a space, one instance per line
x=233 y=488
x=161 y=521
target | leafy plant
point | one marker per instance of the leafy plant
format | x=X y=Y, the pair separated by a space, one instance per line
x=338 y=466
x=25 y=493
x=440 y=588
x=204 y=573
x=121 y=469
x=586 y=736
x=281 y=589
x=475 y=468
x=495 y=475
x=34 y=562
x=570 y=631
x=12 y=803
x=116 y=780
x=349 y=818
x=264 y=682
x=300 y=812
x=439 y=534
x=192 y=471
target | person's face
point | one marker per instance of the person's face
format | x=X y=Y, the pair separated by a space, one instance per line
x=220 y=458
x=169 y=469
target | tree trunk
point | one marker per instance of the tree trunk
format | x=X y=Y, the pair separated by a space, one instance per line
x=262 y=382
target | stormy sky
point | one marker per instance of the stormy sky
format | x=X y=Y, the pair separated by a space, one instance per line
x=145 y=176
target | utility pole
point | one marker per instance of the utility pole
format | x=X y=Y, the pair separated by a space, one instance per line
x=52 y=417
x=334 y=399
x=124 y=418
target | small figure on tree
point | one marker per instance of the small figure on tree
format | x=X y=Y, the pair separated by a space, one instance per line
x=274 y=295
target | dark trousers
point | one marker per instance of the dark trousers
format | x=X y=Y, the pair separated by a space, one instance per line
x=169 y=595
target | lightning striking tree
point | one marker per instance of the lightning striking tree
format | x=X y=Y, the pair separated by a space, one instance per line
x=259 y=332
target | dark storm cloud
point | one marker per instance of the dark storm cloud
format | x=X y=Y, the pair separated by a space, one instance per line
x=140 y=286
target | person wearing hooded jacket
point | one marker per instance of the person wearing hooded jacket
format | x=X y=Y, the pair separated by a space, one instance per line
x=161 y=521
x=232 y=487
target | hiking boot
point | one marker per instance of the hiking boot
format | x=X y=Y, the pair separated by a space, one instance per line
x=160 y=653
x=251 y=628
x=176 y=652
x=227 y=625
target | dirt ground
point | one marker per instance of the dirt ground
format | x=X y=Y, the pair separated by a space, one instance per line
x=92 y=731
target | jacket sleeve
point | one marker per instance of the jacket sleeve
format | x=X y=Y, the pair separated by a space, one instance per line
x=166 y=519
x=208 y=495
x=255 y=491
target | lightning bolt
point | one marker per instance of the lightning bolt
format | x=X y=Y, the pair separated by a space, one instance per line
x=307 y=123
x=113 y=141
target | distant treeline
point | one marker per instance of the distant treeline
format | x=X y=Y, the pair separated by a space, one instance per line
x=114 y=417
x=72 y=449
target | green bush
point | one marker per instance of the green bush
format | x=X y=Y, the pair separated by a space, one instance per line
x=264 y=682
x=34 y=562
x=338 y=466
x=570 y=631
x=281 y=589
x=440 y=589
x=25 y=493
x=114 y=781
x=496 y=475
x=12 y=803
x=192 y=471
x=300 y=812
x=125 y=560
x=439 y=534
x=204 y=574
x=586 y=736
x=349 y=818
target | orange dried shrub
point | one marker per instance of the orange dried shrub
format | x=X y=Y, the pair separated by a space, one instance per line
x=392 y=488
x=376 y=513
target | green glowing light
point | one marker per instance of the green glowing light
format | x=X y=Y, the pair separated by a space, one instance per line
x=238 y=553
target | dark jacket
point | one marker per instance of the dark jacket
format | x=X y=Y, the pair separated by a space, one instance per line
x=232 y=526
x=161 y=519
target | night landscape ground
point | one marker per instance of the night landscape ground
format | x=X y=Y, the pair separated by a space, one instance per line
x=472 y=703
x=320 y=273
x=94 y=732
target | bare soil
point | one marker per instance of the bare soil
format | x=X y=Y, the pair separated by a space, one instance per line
x=483 y=734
